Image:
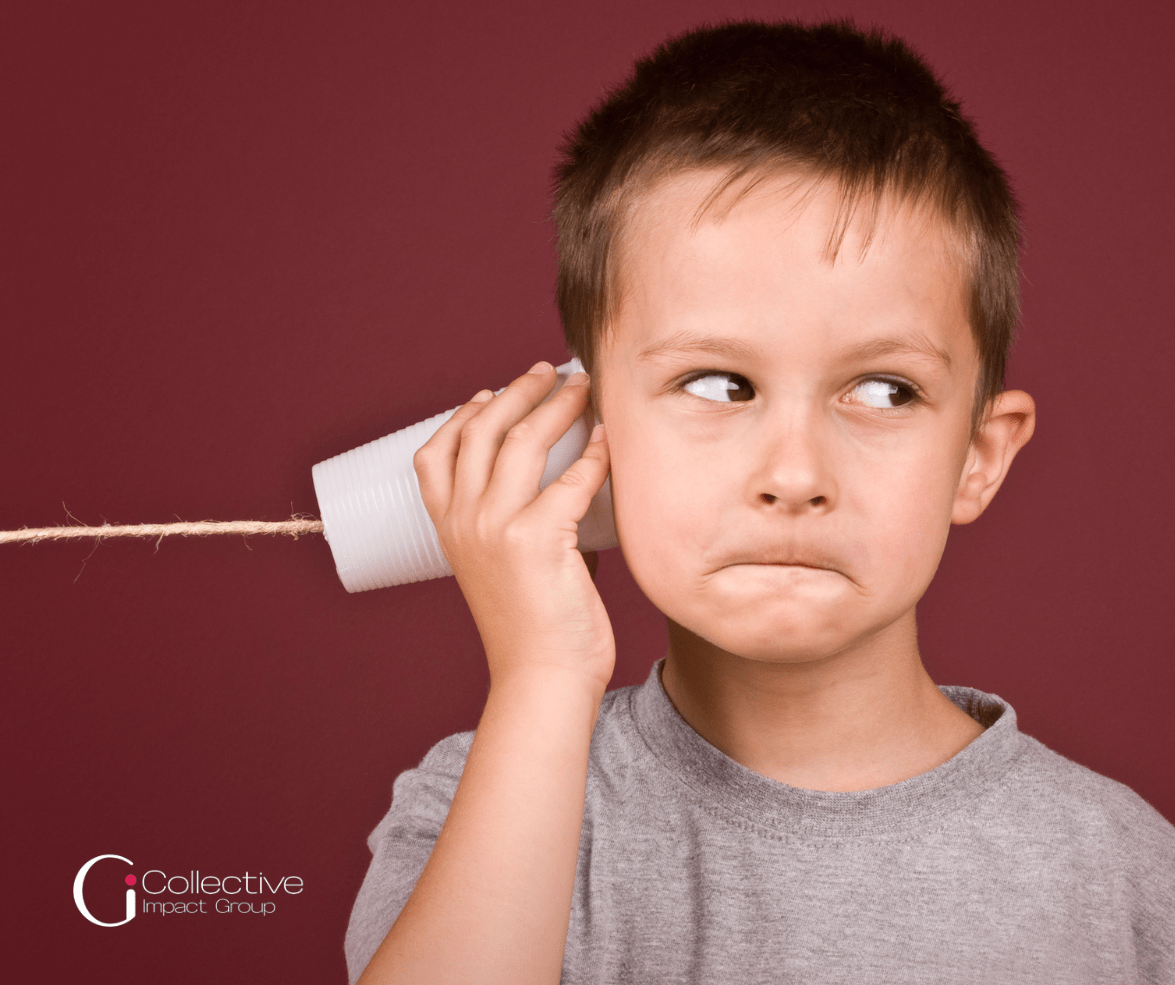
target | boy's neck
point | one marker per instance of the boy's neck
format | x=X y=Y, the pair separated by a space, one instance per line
x=858 y=720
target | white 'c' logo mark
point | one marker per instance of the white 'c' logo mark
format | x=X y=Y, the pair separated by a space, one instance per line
x=79 y=881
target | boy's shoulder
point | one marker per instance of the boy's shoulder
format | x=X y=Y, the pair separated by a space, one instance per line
x=1051 y=782
x=1084 y=793
x=1098 y=818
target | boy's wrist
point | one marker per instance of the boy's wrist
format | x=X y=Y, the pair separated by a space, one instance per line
x=569 y=692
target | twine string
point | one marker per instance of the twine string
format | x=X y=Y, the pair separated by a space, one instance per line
x=294 y=527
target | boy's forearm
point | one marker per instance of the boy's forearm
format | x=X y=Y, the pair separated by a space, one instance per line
x=493 y=902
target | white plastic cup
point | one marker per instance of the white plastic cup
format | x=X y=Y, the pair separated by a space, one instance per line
x=374 y=519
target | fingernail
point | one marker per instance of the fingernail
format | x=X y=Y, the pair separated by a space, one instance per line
x=577 y=378
x=481 y=396
x=540 y=367
x=598 y=433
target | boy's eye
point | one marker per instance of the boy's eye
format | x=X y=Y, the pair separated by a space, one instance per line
x=719 y=386
x=883 y=393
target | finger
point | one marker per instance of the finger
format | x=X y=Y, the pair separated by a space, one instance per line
x=522 y=458
x=434 y=462
x=566 y=500
x=482 y=436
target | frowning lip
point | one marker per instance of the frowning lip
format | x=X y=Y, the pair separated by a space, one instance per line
x=787 y=560
x=782 y=561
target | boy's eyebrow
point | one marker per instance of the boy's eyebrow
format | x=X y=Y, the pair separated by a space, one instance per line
x=684 y=342
x=691 y=342
x=915 y=344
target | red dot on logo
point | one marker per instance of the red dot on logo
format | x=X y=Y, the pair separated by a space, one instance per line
x=131 y=880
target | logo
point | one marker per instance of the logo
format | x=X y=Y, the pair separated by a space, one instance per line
x=185 y=892
x=79 y=883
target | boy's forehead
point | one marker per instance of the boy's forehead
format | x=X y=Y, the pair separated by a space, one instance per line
x=699 y=255
x=816 y=215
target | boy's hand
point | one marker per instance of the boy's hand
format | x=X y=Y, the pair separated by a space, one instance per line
x=511 y=547
x=494 y=901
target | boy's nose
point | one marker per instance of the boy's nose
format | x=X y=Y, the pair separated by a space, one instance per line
x=794 y=472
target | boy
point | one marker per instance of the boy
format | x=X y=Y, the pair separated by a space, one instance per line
x=790 y=269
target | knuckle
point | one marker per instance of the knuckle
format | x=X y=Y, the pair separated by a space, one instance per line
x=473 y=427
x=573 y=477
x=517 y=534
x=522 y=431
x=471 y=408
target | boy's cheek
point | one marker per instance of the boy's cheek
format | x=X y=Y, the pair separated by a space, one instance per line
x=656 y=500
x=649 y=528
x=664 y=526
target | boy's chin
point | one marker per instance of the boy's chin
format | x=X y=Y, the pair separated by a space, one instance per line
x=796 y=653
x=786 y=629
x=802 y=638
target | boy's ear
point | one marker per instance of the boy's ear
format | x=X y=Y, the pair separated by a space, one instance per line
x=1005 y=429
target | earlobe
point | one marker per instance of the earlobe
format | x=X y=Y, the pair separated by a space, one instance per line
x=1006 y=427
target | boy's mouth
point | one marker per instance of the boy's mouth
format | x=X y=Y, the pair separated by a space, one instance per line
x=788 y=560
x=807 y=561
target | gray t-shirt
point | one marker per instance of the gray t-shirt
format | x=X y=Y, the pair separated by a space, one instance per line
x=1008 y=863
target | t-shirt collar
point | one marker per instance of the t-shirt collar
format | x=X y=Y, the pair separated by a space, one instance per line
x=724 y=783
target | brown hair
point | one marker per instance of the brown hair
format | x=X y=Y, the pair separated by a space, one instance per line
x=826 y=101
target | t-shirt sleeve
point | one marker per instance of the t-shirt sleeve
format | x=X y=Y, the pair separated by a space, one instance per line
x=401 y=845
x=1151 y=872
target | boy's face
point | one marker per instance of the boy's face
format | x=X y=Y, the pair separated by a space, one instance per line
x=787 y=434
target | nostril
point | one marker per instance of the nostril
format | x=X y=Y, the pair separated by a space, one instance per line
x=768 y=498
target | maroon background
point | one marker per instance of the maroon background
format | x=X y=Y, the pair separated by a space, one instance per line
x=240 y=238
